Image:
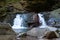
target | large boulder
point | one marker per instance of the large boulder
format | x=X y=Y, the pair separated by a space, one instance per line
x=51 y=35
x=37 y=32
x=5 y=29
x=35 y=21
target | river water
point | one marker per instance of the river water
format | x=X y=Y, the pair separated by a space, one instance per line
x=44 y=25
x=20 y=24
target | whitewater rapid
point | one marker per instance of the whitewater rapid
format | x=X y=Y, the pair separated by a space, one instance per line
x=44 y=25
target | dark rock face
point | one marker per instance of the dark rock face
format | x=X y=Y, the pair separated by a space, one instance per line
x=51 y=35
x=39 y=5
x=35 y=20
x=9 y=18
x=10 y=9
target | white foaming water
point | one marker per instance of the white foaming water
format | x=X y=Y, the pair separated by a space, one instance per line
x=18 y=21
x=44 y=25
x=41 y=19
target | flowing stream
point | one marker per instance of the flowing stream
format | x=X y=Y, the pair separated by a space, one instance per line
x=44 y=25
x=18 y=24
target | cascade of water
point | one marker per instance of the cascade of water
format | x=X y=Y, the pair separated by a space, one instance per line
x=44 y=25
x=18 y=22
x=41 y=19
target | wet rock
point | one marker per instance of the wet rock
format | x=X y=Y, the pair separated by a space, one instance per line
x=51 y=35
x=35 y=21
x=35 y=18
x=52 y=22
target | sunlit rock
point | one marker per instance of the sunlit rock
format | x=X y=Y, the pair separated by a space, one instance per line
x=37 y=32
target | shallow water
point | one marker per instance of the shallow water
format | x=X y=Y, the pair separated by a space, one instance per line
x=20 y=30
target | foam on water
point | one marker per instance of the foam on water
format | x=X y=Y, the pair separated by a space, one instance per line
x=18 y=22
x=44 y=25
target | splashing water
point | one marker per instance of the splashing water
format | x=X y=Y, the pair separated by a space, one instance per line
x=44 y=25
x=41 y=19
x=18 y=24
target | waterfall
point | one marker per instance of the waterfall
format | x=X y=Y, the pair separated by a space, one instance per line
x=44 y=25
x=18 y=24
x=41 y=19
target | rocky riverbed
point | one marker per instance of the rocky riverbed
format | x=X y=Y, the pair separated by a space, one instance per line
x=38 y=34
x=33 y=34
